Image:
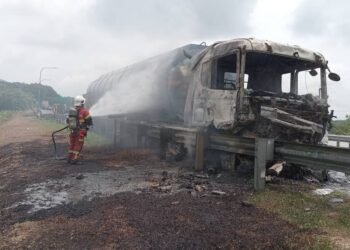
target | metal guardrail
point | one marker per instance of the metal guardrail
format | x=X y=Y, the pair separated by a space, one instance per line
x=339 y=138
x=263 y=149
x=313 y=156
x=238 y=145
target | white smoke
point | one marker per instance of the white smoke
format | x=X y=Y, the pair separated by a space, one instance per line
x=135 y=91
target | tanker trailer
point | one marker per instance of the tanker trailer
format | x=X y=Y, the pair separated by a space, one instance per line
x=235 y=87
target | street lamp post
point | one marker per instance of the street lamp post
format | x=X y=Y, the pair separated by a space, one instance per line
x=45 y=79
x=41 y=71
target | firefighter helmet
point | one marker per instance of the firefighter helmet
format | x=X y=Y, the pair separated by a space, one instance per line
x=79 y=101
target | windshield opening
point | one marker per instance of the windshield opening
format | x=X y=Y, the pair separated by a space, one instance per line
x=277 y=74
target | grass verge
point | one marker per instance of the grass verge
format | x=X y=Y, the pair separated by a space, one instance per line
x=4 y=116
x=328 y=222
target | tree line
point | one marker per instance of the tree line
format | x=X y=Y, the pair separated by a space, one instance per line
x=17 y=96
x=341 y=127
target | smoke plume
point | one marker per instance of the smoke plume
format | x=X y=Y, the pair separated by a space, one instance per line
x=134 y=89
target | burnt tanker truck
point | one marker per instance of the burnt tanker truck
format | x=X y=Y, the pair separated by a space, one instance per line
x=232 y=86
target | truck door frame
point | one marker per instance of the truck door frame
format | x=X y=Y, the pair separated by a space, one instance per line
x=240 y=83
x=207 y=85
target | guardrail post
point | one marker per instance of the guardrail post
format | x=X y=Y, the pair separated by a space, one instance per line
x=139 y=143
x=115 y=134
x=121 y=133
x=200 y=148
x=140 y=136
x=163 y=143
x=264 y=150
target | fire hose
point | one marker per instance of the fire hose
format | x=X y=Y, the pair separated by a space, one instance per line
x=54 y=143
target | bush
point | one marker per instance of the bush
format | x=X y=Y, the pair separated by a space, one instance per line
x=341 y=127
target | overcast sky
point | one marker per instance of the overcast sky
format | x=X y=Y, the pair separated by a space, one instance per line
x=86 y=38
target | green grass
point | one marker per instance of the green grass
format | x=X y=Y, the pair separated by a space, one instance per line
x=341 y=127
x=50 y=125
x=4 y=116
x=92 y=139
x=334 y=220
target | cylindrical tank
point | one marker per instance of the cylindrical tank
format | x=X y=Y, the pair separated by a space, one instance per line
x=155 y=88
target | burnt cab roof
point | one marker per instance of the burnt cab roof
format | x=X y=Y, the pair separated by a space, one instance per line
x=255 y=45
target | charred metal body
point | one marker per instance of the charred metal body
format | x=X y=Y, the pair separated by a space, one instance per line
x=233 y=86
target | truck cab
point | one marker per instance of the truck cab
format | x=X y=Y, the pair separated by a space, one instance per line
x=251 y=87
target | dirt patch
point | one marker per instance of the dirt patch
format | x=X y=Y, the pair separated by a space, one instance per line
x=132 y=221
x=150 y=204
x=22 y=128
x=86 y=186
x=343 y=242
x=71 y=233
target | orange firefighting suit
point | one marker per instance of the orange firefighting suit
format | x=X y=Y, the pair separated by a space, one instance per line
x=76 y=137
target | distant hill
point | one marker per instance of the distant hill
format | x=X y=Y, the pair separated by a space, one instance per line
x=22 y=96
x=341 y=127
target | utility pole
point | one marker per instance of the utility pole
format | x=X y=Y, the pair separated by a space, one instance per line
x=41 y=71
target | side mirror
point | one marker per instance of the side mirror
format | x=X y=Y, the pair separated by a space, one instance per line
x=313 y=72
x=334 y=77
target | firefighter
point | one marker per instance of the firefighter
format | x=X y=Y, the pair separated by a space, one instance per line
x=79 y=121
